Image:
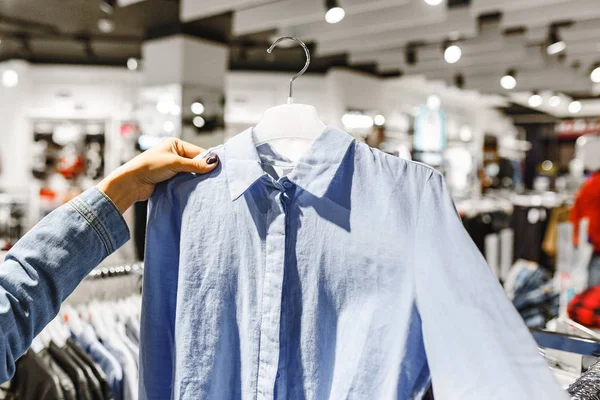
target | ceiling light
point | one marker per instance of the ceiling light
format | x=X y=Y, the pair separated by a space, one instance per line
x=164 y=106
x=197 y=108
x=334 y=13
x=108 y=6
x=434 y=102
x=555 y=44
x=595 y=75
x=175 y=109
x=452 y=54
x=433 y=2
x=535 y=100
x=554 y=101
x=556 y=47
x=168 y=126
x=379 y=120
x=10 y=78
x=547 y=165
x=575 y=107
x=132 y=64
x=465 y=133
x=509 y=81
x=106 y=25
x=198 y=121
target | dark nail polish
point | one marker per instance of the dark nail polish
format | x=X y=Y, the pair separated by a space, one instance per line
x=212 y=159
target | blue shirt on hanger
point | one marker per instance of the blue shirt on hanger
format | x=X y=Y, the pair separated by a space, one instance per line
x=349 y=277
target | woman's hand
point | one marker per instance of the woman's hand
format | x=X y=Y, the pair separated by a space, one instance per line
x=136 y=180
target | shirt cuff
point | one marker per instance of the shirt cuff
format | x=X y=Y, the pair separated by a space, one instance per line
x=100 y=212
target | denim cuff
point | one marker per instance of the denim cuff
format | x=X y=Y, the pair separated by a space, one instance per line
x=102 y=214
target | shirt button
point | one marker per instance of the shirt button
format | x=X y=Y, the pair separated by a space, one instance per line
x=287 y=185
x=277 y=375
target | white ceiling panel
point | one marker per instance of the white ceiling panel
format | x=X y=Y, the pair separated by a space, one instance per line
x=459 y=22
x=582 y=30
x=545 y=15
x=512 y=57
x=406 y=16
x=191 y=10
x=285 y=13
x=487 y=6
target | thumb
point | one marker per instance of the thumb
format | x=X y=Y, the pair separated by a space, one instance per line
x=198 y=165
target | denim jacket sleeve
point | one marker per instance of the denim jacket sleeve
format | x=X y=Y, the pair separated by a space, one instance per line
x=46 y=265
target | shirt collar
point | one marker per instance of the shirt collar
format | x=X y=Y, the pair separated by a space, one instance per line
x=313 y=172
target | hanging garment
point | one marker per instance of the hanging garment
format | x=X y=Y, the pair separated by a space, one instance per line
x=130 y=370
x=34 y=380
x=72 y=369
x=349 y=277
x=585 y=307
x=107 y=362
x=587 y=205
x=67 y=386
x=92 y=382
x=95 y=368
x=96 y=382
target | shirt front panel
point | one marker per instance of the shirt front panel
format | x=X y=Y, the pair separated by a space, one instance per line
x=350 y=277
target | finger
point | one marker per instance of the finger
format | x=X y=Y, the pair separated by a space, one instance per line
x=198 y=165
x=187 y=150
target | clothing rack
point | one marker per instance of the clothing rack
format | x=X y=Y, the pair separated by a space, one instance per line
x=109 y=283
x=117 y=271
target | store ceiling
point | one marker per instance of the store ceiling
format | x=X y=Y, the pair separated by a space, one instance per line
x=495 y=35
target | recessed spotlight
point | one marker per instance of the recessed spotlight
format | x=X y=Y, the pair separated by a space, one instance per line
x=575 y=107
x=535 y=100
x=434 y=102
x=168 y=126
x=198 y=121
x=595 y=75
x=334 y=12
x=164 y=106
x=452 y=54
x=106 y=25
x=555 y=44
x=554 y=101
x=10 y=78
x=509 y=81
x=379 y=120
x=197 y=108
x=433 y=2
x=132 y=64
x=108 y=6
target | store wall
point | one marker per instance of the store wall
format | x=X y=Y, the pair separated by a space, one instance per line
x=55 y=93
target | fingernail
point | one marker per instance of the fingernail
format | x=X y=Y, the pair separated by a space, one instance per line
x=212 y=159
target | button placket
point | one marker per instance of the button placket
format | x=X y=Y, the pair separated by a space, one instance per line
x=271 y=299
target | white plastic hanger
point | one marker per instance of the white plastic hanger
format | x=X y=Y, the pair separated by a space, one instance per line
x=290 y=128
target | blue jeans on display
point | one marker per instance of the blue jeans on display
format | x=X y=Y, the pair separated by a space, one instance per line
x=594 y=270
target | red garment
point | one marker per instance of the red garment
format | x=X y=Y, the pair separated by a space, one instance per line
x=585 y=307
x=587 y=205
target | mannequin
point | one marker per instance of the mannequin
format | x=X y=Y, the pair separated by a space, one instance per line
x=290 y=129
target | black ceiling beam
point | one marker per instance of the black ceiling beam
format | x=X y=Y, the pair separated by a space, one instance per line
x=29 y=25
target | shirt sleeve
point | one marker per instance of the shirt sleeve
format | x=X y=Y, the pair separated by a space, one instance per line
x=46 y=265
x=161 y=268
x=477 y=345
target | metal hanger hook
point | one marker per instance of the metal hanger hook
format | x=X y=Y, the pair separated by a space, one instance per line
x=303 y=70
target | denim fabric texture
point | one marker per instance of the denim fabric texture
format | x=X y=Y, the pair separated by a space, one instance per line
x=351 y=277
x=46 y=265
